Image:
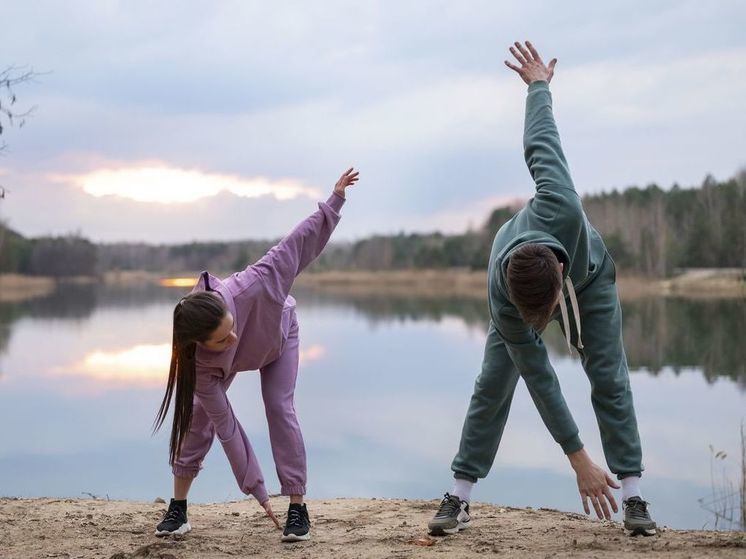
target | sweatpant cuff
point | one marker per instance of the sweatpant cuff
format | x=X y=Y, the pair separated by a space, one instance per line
x=293 y=490
x=462 y=475
x=573 y=444
x=629 y=474
x=259 y=491
x=184 y=471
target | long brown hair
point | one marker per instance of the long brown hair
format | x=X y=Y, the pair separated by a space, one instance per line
x=534 y=281
x=196 y=317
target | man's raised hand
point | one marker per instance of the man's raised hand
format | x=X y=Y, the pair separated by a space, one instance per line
x=532 y=68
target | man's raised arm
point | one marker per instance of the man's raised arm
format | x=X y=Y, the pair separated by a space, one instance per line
x=541 y=143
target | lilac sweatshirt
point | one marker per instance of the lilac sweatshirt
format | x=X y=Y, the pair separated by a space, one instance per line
x=258 y=298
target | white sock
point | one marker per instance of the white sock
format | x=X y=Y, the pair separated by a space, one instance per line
x=462 y=489
x=631 y=487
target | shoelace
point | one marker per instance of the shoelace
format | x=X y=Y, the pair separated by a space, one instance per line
x=638 y=508
x=294 y=517
x=173 y=514
x=448 y=505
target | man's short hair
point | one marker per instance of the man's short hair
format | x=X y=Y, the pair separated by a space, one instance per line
x=534 y=283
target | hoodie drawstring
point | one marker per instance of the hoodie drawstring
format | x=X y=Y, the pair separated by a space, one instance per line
x=575 y=312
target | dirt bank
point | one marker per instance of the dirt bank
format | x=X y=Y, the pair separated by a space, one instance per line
x=341 y=528
x=698 y=283
x=15 y=288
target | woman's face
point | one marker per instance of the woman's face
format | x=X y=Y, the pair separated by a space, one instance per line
x=224 y=336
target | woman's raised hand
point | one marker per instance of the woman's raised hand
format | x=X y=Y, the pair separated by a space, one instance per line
x=532 y=68
x=348 y=178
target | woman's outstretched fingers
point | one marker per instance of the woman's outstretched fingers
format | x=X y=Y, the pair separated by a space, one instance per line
x=351 y=177
x=268 y=509
x=348 y=178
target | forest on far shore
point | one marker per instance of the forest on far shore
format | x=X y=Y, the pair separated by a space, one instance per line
x=649 y=231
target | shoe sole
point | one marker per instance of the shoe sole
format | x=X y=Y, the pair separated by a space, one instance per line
x=293 y=538
x=180 y=531
x=440 y=531
x=641 y=531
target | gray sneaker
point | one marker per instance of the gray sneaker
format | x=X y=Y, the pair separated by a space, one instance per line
x=452 y=516
x=637 y=518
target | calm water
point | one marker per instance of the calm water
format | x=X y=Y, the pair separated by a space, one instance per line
x=382 y=393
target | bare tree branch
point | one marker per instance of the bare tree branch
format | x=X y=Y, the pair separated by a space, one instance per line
x=9 y=116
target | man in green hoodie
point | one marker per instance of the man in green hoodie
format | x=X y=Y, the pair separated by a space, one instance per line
x=548 y=256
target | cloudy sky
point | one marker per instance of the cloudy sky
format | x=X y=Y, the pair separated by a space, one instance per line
x=174 y=121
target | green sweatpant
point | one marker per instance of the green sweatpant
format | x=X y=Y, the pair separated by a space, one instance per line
x=605 y=364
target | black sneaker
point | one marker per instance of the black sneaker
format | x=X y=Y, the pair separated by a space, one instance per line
x=174 y=521
x=452 y=516
x=637 y=518
x=298 y=526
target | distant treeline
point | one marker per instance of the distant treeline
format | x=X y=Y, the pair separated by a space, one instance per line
x=653 y=231
x=71 y=255
x=649 y=231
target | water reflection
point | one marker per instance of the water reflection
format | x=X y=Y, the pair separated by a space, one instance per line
x=119 y=339
x=74 y=303
x=683 y=334
x=142 y=364
x=383 y=308
x=77 y=301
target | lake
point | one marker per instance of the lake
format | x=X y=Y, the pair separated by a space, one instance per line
x=382 y=393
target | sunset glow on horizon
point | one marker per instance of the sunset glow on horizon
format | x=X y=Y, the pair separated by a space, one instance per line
x=159 y=183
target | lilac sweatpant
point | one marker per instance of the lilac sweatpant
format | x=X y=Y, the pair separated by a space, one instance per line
x=278 y=389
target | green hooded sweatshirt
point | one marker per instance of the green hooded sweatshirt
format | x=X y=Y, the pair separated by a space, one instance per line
x=554 y=217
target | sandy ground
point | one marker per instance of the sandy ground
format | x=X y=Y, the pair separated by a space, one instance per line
x=341 y=528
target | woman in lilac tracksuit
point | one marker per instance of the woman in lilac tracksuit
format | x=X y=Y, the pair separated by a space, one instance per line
x=244 y=322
